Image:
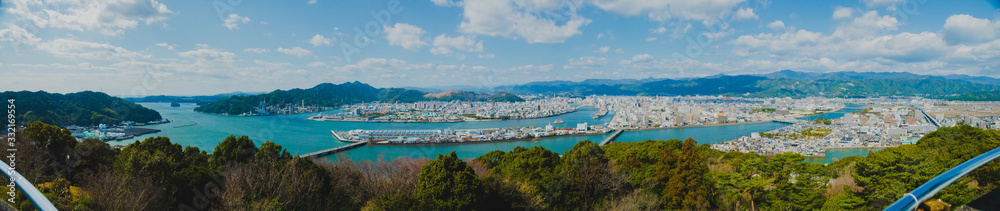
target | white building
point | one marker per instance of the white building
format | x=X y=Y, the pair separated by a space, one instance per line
x=581 y=126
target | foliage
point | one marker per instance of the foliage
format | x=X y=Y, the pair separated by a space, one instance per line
x=333 y=95
x=82 y=108
x=683 y=178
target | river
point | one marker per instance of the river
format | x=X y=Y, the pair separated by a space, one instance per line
x=299 y=135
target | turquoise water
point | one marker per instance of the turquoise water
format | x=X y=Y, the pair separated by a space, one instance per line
x=300 y=136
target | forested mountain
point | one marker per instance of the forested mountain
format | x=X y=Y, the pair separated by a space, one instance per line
x=332 y=95
x=648 y=175
x=779 y=84
x=82 y=108
x=186 y=99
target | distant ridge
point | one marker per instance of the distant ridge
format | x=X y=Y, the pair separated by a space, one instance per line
x=791 y=74
x=784 y=83
x=332 y=95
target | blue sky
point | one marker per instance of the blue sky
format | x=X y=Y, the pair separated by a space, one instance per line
x=152 y=47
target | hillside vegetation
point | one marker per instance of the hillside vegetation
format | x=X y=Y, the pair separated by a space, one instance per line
x=82 y=108
x=157 y=174
x=332 y=95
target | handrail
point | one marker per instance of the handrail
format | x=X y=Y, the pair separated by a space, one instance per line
x=27 y=188
x=911 y=200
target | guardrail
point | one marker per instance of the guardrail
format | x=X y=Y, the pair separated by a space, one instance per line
x=27 y=188
x=911 y=200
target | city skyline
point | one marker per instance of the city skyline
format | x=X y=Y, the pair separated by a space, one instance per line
x=202 y=48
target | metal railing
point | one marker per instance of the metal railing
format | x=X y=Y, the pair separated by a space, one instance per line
x=911 y=200
x=36 y=197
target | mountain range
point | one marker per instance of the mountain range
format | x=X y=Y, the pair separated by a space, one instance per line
x=785 y=83
x=85 y=108
x=332 y=95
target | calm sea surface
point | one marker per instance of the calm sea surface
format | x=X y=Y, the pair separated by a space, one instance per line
x=300 y=136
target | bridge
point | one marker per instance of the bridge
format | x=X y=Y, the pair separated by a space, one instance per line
x=332 y=150
x=611 y=138
x=929 y=118
x=790 y=121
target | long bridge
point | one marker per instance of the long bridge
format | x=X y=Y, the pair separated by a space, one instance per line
x=332 y=150
x=789 y=121
x=611 y=138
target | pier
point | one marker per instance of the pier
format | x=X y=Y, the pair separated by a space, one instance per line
x=611 y=138
x=332 y=150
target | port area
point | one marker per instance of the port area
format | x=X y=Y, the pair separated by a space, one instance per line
x=124 y=131
x=449 y=136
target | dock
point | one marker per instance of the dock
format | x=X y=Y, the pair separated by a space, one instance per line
x=332 y=150
x=611 y=138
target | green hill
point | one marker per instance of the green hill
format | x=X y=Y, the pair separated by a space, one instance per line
x=81 y=108
x=332 y=95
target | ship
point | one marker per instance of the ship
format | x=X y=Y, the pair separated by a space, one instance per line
x=558 y=121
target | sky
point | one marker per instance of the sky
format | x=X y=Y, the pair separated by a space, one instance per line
x=206 y=47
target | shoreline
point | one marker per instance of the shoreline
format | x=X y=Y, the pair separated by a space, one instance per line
x=481 y=142
x=456 y=121
x=860 y=147
x=694 y=126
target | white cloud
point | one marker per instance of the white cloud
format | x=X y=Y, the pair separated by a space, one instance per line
x=446 y=3
x=319 y=40
x=518 y=19
x=443 y=45
x=75 y=49
x=208 y=55
x=860 y=39
x=318 y=65
x=705 y=11
x=641 y=58
x=585 y=62
x=369 y=65
x=405 y=35
x=105 y=17
x=166 y=45
x=233 y=21
x=14 y=33
x=744 y=14
x=296 y=51
x=776 y=25
x=967 y=29
x=620 y=51
x=877 y=3
x=842 y=12
x=868 y=25
x=650 y=39
x=255 y=50
x=311 y=2
x=604 y=49
x=487 y=56
x=660 y=30
x=532 y=68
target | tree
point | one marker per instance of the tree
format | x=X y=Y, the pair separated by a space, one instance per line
x=92 y=154
x=448 y=183
x=687 y=186
x=269 y=151
x=233 y=150
x=584 y=166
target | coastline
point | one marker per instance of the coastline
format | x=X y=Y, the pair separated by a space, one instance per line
x=482 y=142
x=456 y=121
x=694 y=126
x=861 y=147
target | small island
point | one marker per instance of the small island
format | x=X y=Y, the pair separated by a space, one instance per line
x=175 y=104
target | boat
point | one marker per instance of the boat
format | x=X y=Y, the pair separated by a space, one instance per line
x=558 y=121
